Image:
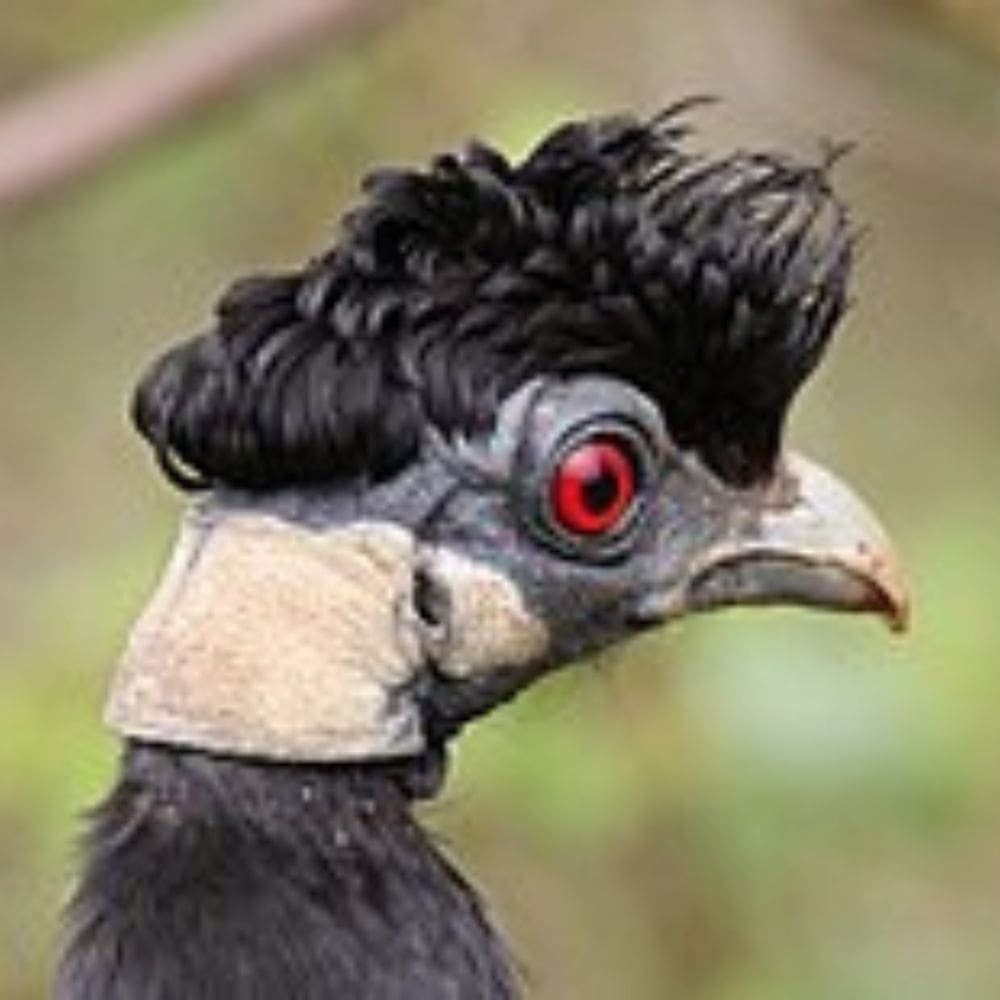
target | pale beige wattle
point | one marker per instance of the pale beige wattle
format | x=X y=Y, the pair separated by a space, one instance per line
x=490 y=626
x=270 y=640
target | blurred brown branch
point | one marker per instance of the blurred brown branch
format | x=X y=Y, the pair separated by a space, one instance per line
x=74 y=124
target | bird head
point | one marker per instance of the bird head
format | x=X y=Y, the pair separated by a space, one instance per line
x=515 y=414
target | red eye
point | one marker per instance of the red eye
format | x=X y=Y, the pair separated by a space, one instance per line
x=594 y=486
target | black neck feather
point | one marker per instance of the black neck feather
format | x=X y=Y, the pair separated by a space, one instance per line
x=208 y=877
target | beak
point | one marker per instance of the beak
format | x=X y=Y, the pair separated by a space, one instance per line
x=811 y=543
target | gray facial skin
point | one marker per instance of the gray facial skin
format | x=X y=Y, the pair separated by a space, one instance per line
x=589 y=590
x=688 y=542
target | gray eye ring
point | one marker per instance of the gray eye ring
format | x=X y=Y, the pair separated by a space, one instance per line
x=549 y=416
x=535 y=495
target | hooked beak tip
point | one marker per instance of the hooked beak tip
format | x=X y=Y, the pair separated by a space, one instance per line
x=881 y=573
x=821 y=549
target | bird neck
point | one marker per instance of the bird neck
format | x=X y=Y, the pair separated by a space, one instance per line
x=212 y=877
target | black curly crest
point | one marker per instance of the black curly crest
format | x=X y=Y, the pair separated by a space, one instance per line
x=712 y=284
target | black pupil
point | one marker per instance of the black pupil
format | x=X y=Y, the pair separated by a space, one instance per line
x=601 y=491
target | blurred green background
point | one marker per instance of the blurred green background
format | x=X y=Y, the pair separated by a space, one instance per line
x=749 y=807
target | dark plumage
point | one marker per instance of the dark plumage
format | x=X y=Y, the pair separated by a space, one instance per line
x=711 y=283
x=514 y=414
x=213 y=878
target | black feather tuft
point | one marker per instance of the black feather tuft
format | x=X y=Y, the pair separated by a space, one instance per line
x=713 y=284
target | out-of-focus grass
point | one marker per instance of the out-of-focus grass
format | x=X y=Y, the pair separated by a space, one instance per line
x=803 y=810
x=754 y=807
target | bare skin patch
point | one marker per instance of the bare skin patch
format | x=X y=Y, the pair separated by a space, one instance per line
x=489 y=624
x=271 y=640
